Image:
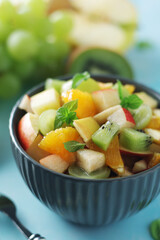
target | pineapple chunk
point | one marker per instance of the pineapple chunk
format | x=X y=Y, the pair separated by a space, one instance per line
x=90 y=160
x=55 y=163
x=156 y=112
x=154 y=123
x=86 y=127
x=155 y=134
x=139 y=166
x=154 y=160
x=130 y=88
x=148 y=100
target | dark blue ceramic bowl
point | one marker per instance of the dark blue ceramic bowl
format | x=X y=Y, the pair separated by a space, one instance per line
x=89 y=202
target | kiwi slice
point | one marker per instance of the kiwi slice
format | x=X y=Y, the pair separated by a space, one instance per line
x=98 y=60
x=101 y=173
x=134 y=140
x=104 y=135
x=54 y=83
x=142 y=116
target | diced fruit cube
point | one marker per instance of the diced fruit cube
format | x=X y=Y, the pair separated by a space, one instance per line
x=107 y=85
x=155 y=148
x=28 y=129
x=155 y=134
x=106 y=98
x=54 y=141
x=86 y=106
x=126 y=172
x=103 y=116
x=154 y=160
x=25 y=104
x=113 y=157
x=135 y=140
x=156 y=112
x=90 y=160
x=55 y=163
x=104 y=135
x=139 y=166
x=148 y=100
x=46 y=121
x=86 y=127
x=90 y=85
x=47 y=99
x=135 y=154
x=54 y=83
x=123 y=118
x=130 y=88
x=154 y=123
x=34 y=151
x=66 y=86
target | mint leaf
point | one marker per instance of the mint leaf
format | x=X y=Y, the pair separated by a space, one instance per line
x=72 y=105
x=70 y=118
x=155 y=229
x=120 y=91
x=73 y=146
x=79 y=78
x=134 y=101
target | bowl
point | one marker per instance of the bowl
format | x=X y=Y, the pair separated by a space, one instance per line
x=83 y=201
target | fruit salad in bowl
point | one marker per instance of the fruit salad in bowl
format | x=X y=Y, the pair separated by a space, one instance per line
x=91 y=130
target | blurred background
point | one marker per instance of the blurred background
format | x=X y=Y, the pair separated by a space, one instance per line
x=42 y=39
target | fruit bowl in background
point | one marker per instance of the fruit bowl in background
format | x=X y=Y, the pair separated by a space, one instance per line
x=88 y=202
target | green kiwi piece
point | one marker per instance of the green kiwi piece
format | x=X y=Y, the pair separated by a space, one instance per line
x=54 y=83
x=134 y=140
x=142 y=116
x=104 y=135
x=101 y=173
x=97 y=60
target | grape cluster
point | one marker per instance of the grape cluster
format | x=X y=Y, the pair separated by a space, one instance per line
x=33 y=45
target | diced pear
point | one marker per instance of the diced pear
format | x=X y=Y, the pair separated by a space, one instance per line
x=103 y=116
x=90 y=160
x=47 y=99
x=25 y=104
x=86 y=127
x=155 y=134
x=156 y=112
x=139 y=166
x=148 y=100
x=55 y=163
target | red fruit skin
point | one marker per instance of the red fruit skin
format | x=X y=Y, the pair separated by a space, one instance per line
x=22 y=135
x=129 y=117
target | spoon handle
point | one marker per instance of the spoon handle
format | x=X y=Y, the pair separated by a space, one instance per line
x=36 y=237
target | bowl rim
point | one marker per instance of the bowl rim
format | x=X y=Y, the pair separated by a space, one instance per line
x=69 y=177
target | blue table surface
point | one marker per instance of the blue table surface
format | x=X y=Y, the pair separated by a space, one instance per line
x=32 y=212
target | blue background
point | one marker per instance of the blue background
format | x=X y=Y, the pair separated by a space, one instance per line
x=146 y=65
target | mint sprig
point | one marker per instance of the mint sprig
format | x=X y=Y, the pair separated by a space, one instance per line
x=66 y=114
x=79 y=78
x=132 y=101
x=73 y=146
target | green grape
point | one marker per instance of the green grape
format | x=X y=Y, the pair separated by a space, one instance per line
x=42 y=27
x=22 y=45
x=10 y=85
x=37 y=7
x=62 y=23
x=5 y=60
x=4 y=30
x=24 y=69
x=62 y=49
x=7 y=11
x=24 y=19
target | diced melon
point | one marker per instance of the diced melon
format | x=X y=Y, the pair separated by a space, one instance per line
x=148 y=100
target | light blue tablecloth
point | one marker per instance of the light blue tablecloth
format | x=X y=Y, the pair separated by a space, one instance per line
x=37 y=217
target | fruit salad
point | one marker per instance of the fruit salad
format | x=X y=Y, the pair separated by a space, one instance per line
x=89 y=129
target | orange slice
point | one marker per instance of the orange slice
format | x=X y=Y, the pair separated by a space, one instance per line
x=154 y=123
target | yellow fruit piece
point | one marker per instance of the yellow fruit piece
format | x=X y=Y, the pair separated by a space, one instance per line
x=154 y=160
x=130 y=88
x=154 y=123
x=86 y=107
x=54 y=141
x=113 y=157
x=105 y=85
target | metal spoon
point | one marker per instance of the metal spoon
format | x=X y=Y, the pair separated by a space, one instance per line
x=8 y=207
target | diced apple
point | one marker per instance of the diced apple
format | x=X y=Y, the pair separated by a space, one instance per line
x=90 y=160
x=47 y=99
x=34 y=151
x=107 y=85
x=25 y=104
x=28 y=129
x=156 y=112
x=103 y=116
x=123 y=118
x=148 y=100
x=105 y=98
x=129 y=153
x=86 y=127
x=155 y=134
x=54 y=163
x=139 y=166
x=154 y=160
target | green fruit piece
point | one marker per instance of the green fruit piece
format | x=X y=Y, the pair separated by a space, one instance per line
x=134 y=140
x=104 y=135
x=101 y=173
x=54 y=83
x=89 y=86
x=46 y=121
x=155 y=229
x=142 y=116
x=98 y=60
x=125 y=92
x=5 y=59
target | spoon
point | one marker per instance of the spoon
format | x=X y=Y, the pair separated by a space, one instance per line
x=8 y=207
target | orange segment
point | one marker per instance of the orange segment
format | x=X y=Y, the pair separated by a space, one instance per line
x=131 y=88
x=86 y=107
x=113 y=157
x=154 y=123
x=53 y=142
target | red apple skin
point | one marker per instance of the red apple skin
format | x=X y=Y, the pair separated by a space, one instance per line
x=26 y=132
x=127 y=152
x=129 y=117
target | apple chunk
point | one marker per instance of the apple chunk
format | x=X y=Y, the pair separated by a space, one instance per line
x=25 y=104
x=155 y=134
x=139 y=166
x=47 y=99
x=28 y=129
x=86 y=127
x=148 y=100
x=54 y=163
x=105 y=98
x=123 y=118
x=90 y=160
